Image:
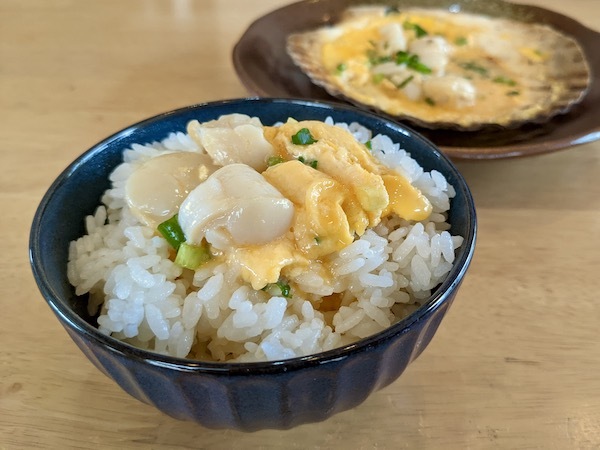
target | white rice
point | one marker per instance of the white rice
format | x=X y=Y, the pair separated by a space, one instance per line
x=145 y=299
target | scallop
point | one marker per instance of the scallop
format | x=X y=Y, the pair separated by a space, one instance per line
x=433 y=52
x=240 y=201
x=156 y=189
x=393 y=38
x=446 y=70
x=233 y=138
x=450 y=90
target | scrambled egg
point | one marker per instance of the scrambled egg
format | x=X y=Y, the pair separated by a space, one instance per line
x=320 y=191
x=348 y=191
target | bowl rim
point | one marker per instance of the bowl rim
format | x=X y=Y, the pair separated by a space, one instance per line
x=71 y=319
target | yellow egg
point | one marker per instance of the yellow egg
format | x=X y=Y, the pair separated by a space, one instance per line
x=336 y=186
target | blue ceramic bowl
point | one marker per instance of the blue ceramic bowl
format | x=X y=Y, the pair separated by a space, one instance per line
x=250 y=396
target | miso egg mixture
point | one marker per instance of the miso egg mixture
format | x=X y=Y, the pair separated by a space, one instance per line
x=423 y=63
x=439 y=67
x=269 y=201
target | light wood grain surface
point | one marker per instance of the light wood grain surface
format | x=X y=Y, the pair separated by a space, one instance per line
x=515 y=365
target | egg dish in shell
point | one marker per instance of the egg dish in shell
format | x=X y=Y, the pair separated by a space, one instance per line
x=443 y=69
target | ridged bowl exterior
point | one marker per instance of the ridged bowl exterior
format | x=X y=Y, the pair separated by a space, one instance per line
x=279 y=394
x=264 y=399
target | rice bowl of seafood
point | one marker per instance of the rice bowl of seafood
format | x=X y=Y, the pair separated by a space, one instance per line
x=248 y=233
x=292 y=237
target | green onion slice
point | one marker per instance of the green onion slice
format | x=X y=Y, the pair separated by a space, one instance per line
x=375 y=59
x=314 y=163
x=172 y=232
x=192 y=256
x=378 y=78
x=419 y=31
x=474 y=67
x=405 y=82
x=505 y=80
x=284 y=288
x=460 y=41
x=274 y=160
x=412 y=62
x=303 y=137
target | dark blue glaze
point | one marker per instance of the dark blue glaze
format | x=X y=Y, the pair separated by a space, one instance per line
x=252 y=396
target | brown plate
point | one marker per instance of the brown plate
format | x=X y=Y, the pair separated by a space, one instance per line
x=264 y=67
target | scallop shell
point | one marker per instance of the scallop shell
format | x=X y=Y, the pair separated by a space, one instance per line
x=546 y=88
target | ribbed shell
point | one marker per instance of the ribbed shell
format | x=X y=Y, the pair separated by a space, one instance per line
x=564 y=84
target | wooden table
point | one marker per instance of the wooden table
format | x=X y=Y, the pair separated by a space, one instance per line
x=515 y=364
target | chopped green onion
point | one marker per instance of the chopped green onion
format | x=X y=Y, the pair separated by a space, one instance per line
x=378 y=78
x=285 y=289
x=192 y=256
x=419 y=31
x=340 y=68
x=474 y=67
x=369 y=145
x=402 y=57
x=412 y=62
x=460 y=41
x=313 y=163
x=172 y=232
x=405 y=82
x=420 y=67
x=375 y=59
x=504 y=80
x=303 y=137
x=429 y=101
x=391 y=10
x=274 y=160
x=513 y=93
